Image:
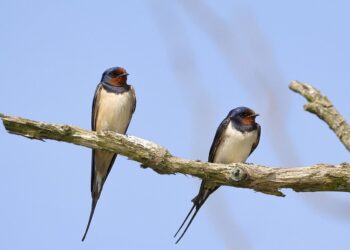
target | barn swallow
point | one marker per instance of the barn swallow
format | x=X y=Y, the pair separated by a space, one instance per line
x=236 y=138
x=112 y=108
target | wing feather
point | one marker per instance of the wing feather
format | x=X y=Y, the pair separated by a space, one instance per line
x=218 y=137
x=257 y=139
x=95 y=108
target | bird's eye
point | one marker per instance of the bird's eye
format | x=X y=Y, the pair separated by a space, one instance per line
x=113 y=74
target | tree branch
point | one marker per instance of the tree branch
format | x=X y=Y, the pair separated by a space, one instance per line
x=319 y=177
x=324 y=109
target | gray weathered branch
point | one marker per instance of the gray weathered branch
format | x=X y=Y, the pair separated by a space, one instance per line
x=324 y=109
x=319 y=177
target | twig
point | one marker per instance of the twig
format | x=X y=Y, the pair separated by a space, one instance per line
x=324 y=109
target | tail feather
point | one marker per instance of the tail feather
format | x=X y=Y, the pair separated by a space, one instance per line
x=93 y=206
x=198 y=203
x=206 y=189
x=95 y=195
x=188 y=225
x=183 y=223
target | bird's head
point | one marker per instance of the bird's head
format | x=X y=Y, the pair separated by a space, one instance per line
x=115 y=76
x=243 y=116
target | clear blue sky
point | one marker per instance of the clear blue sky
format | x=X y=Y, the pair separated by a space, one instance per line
x=190 y=63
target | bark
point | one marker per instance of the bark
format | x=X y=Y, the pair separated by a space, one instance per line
x=319 y=177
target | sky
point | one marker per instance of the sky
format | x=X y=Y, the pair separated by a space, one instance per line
x=190 y=63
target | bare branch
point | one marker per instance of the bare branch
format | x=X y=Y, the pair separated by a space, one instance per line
x=324 y=109
x=319 y=177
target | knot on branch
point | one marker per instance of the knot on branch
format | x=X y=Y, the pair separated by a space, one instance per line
x=67 y=130
x=238 y=174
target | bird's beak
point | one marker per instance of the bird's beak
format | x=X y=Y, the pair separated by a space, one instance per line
x=124 y=74
x=254 y=115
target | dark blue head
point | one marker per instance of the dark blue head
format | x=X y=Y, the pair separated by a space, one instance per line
x=115 y=76
x=243 y=119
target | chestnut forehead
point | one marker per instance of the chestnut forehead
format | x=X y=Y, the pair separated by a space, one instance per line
x=119 y=71
x=248 y=112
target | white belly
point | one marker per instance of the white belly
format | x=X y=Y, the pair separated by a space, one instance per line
x=235 y=146
x=115 y=111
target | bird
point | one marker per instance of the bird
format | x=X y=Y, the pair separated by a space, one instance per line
x=236 y=138
x=113 y=106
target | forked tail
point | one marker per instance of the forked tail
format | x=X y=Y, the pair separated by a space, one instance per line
x=197 y=205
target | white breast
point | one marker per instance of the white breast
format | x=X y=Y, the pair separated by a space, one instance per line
x=235 y=145
x=115 y=111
